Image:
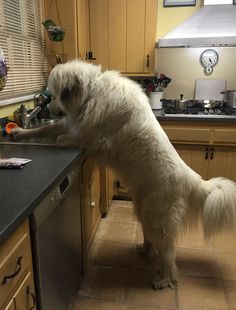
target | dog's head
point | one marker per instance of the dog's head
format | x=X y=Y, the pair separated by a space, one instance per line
x=70 y=84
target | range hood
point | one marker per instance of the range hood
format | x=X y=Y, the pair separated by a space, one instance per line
x=212 y=25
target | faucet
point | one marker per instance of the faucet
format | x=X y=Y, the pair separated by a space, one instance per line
x=30 y=116
x=23 y=117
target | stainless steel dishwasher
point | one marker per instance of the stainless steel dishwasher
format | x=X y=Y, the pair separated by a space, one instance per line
x=57 y=245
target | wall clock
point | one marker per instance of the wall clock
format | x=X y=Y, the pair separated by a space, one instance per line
x=208 y=60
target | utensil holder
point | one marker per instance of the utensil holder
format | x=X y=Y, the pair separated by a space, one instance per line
x=155 y=100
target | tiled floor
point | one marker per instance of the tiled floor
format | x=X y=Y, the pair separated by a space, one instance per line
x=118 y=279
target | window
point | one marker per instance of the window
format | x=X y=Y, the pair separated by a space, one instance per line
x=23 y=45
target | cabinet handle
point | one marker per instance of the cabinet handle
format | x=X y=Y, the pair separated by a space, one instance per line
x=90 y=181
x=117 y=184
x=212 y=153
x=90 y=53
x=32 y=296
x=206 y=153
x=87 y=56
x=147 y=60
x=18 y=269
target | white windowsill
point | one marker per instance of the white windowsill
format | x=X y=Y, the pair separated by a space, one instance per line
x=15 y=100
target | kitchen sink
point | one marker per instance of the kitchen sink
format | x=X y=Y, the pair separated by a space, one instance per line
x=42 y=122
x=34 y=124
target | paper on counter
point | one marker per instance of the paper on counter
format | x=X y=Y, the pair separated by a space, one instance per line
x=13 y=162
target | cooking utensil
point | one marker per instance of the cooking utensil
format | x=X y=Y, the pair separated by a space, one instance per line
x=230 y=98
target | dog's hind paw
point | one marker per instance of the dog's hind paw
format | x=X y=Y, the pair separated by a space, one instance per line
x=160 y=283
x=141 y=249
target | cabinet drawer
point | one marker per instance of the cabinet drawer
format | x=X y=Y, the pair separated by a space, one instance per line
x=10 y=306
x=225 y=136
x=188 y=134
x=13 y=265
x=24 y=297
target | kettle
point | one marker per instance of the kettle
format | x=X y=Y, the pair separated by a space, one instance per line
x=230 y=98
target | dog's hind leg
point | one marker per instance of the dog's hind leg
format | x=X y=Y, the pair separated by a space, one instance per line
x=145 y=248
x=163 y=244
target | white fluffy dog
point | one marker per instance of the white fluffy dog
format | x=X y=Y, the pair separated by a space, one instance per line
x=109 y=116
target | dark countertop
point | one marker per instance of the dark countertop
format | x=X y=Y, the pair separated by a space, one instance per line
x=21 y=190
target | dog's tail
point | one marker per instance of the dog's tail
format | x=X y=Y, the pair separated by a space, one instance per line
x=219 y=209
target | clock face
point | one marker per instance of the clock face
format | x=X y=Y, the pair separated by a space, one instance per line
x=209 y=59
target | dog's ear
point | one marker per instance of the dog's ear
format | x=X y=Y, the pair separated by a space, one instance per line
x=71 y=93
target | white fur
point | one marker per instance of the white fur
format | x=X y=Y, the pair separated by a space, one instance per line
x=109 y=116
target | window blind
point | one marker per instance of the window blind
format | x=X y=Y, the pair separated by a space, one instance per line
x=23 y=45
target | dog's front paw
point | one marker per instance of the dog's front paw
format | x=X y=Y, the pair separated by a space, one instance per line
x=63 y=140
x=67 y=140
x=160 y=283
x=17 y=134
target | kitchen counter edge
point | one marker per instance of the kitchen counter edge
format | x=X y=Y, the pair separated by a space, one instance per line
x=7 y=228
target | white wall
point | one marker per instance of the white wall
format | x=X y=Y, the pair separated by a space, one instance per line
x=182 y=65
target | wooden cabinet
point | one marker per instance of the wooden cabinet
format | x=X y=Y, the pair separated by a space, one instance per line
x=123 y=34
x=91 y=213
x=121 y=190
x=194 y=157
x=16 y=273
x=73 y=16
x=107 y=189
x=208 y=148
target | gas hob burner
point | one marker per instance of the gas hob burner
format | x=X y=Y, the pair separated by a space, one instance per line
x=194 y=107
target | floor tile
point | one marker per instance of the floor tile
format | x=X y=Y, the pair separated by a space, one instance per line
x=198 y=293
x=230 y=291
x=139 y=234
x=227 y=263
x=83 y=303
x=122 y=203
x=110 y=253
x=145 y=307
x=117 y=278
x=224 y=243
x=194 y=238
x=140 y=291
x=116 y=231
x=196 y=262
x=104 y=282
x=123 y=213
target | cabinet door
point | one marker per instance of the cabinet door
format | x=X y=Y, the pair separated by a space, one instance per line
x=150 y=36
x=63 y=13
x=83 y=28
x=222 y=163
x=110 y=185
x=196 y=157
x=90 y=202
x=107 y=189
x=10 y=306
x=117 y=35
x=230 y=169
x=121 y=189
x=217 y=162
x=99 y=31
x=135 y=35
